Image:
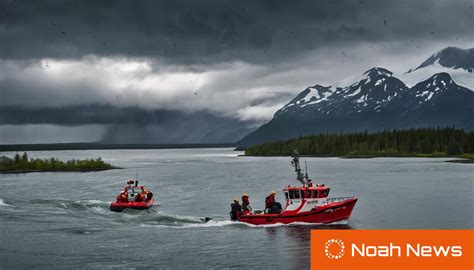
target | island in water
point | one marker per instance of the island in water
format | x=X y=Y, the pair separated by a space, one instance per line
x=419 y=142
x=22 y=164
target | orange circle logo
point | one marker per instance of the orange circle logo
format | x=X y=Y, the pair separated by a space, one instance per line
x=334 y=249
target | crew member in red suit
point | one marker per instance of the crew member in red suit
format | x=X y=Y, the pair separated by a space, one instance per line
x=270 y=200
x=122 y=197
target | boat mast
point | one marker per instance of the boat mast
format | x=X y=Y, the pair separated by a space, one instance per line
x=296 y=163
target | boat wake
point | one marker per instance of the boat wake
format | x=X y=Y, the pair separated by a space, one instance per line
x=145 y=218
x=2 y=203
x=195 y=224
x=68 y=204
x=177 y=221
x=178 y=224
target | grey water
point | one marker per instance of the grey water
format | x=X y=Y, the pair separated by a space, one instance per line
x=61 y=220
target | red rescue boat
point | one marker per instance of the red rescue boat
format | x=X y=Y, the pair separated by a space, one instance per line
x=306 y=204
x=133 y=196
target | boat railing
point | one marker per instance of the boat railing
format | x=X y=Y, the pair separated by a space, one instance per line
x=337 y=200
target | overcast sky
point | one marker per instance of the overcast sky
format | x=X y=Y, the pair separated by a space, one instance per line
x=239 y=59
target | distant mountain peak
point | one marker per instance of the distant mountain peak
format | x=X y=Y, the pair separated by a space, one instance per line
x=313 y=93
x=377 y=71
x=442 y=77
x=438 y=87
x=309 y=96
x=439 y=82
x=451 y=57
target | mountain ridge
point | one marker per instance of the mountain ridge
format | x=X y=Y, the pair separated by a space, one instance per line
x=451 y=57
x=378 y=100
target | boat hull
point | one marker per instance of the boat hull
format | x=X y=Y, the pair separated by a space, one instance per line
x=120 y=206
x=319 y=215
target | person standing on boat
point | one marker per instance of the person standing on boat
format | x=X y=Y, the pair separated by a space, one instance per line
x=122 y=197
x=246 y=203
x=235 y=210
x=270 y=201
x=310 y=183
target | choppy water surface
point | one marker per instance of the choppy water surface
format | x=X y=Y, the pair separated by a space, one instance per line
x=61 y=220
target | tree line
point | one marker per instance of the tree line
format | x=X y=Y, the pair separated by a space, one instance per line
x=23 y=163
x=411 y=142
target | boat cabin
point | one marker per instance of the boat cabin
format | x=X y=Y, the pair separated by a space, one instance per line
x=305 y=197
x=319 y=191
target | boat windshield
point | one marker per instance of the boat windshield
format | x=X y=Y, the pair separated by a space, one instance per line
x=294 y=194
x=305 y=193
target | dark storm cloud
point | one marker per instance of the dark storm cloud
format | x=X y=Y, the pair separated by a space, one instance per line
x=203 y=32
x=84 y=114
x=130 y=124
x=95 y=114
x=196 y=71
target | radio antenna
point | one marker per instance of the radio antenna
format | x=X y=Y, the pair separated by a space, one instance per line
x=296 y=163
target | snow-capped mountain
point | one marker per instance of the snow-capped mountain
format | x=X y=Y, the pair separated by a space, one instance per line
x=378 y=100
x=371 y=92
x=438 y=86
x=310 y=96
x=457 y=62
x=451 y=57
x=439 y=101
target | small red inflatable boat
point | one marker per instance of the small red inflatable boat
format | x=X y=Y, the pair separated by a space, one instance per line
x=133 y=196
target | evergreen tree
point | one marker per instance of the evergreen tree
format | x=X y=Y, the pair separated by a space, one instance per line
x=17 y=158
x=24 y=158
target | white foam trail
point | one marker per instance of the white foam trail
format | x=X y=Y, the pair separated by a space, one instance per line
x=93 y=202
x=180 y=218
x=98 y=209
x=2 y=203
x=156 y=226
x=342 y=222
x=210 y=223
x=221 y=223
x=265 y=225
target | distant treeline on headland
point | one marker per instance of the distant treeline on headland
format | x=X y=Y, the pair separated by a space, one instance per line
x=429 y=142
x=21 y=164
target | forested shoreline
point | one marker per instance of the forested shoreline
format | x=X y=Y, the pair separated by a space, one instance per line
x=22 y=164
x=419 y=142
